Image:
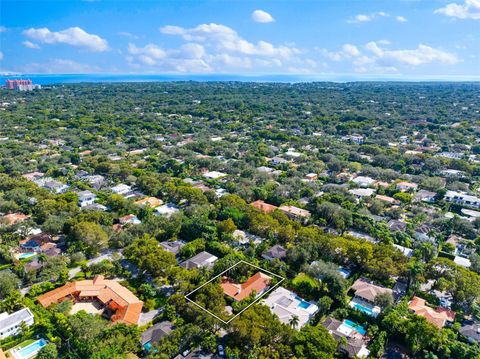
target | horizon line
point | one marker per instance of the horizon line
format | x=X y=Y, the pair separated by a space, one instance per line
x=318 y=77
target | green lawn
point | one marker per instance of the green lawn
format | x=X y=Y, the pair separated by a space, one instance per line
x=24 y=344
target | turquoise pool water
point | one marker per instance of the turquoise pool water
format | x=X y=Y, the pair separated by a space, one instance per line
x=345 y=273
x=303 y=304
x=31 y=349
x=364 y=309
x=355 y=326
x=26 y=255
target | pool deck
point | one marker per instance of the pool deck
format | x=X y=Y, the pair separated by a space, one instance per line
x=369 y=309
x=15 y=352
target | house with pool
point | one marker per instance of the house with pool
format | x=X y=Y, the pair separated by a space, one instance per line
x=155 y=333
x=351 y=336
x=26 y=350
x=365 y=293
x=286 y=305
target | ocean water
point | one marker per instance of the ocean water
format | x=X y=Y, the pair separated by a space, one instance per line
x=51 y=79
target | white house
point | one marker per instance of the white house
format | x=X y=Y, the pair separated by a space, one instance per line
x=462 y=198
x=363 y=181
x=464 y=262
x=166 y=210
x=362 y=192
x=425 y=196
x=121 y=189
x=358 y=139
x=86 y=198
x=214 y=175
x=201 y=260
x=407 y=252
x=10 y=324
x=265 y=169
x=286 y=304
x=292 y=153
x=51 y=184
x=278 y=160
x=406 y=186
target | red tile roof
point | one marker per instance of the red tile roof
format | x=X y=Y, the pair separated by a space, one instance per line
x=13 y=218
x=264 y=207
x=437 y=317
x=256 y=283
x=109 y=292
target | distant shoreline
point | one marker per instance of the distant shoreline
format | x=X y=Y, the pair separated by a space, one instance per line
x=51 y=79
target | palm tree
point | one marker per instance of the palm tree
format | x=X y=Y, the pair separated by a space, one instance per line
x=294 y=321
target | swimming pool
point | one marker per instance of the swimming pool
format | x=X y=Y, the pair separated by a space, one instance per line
x=26 y=255
x=303 y=304
x=345 y=273
x=357 y=327
x=30 y=350
x=364 y=309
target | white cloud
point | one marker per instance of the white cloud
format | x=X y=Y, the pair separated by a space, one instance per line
x=3 y=29
x=60 y=66
x=187 y=58
x=224 y=38
x=149 y=54
x=262 y=16
x=373 y=47
x=401 y=18
x=215 y=48
x=191 y=51
x=30 y=45
x=128 y=35
x=348 y=51
x=351 y=50
x=73 y=36
x=233 y=61
x=470 y=9
x=360 y=18
x=367 y=17
x=375 y=57
x=423 y=54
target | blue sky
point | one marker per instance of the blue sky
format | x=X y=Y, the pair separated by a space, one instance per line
x=411 y=38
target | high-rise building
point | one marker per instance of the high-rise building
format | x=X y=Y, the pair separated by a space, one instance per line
x=21 y=85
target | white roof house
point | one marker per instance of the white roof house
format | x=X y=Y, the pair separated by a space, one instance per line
x=292 y=153
x=121 y=189
x=286 y=304
x=407 y=252
x=95 y=181
x=464 y=262
x=406 y=186
x=214 y=175
x=51 y=184
x=470 y=213
x=265 y=169
x=86 y=198
x=362 y=192
x=363 y=181
x=201 y=260
x=166 y=210
x=10 y=324
x=462 y=199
